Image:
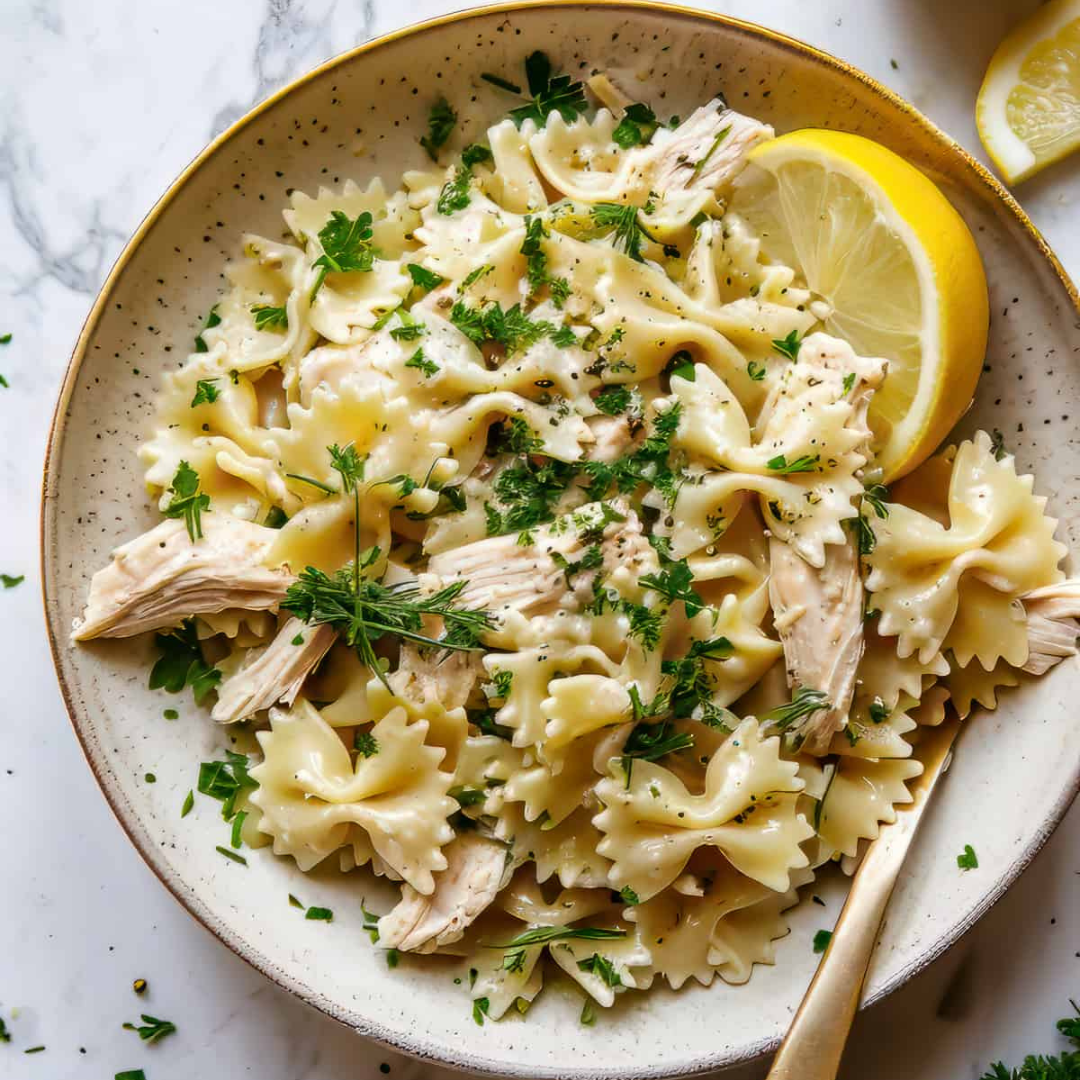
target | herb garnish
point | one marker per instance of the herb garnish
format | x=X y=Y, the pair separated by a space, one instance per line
x=422 y=363
x=674 y=582
x=512 y=328
x=423 y=278
x=636 y=127
x=346 y=245
x=11 y=580
x=441 y=121
x=805 y=463
x=602 y=967
x=968 y=860
x=152 y=1030
x=549 y=93
x=755 y=370
x=821 y=940
x=804 y=703
x=226 y=781
x=623 y=221
x=268 y=317
x=614 y=400
x=181 y=663
x=541 y=935
x=997 y=445
x=692 y=685
x=212 y=319
x=480 y=1009
x=205 y=393
x=650 y=742
x=628 y=895
x=721 y=135
x=1065 y=1066
x=588 y=1013
x=788 y=346
x=455 y=193
x=536 y=260
x=319 y=914
x=231 y=855
x=187 y=501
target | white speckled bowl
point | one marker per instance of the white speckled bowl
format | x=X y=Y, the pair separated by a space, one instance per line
x=1016 y=770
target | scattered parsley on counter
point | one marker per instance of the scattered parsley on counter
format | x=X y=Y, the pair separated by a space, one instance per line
x=152 y=1030
x=968 y=860
x=441 y=122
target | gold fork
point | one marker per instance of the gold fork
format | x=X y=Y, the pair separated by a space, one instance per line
x=815 y=1042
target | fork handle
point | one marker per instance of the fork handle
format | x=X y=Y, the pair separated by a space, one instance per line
x=815 y=1041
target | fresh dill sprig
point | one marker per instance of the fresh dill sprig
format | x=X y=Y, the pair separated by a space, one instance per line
x=804 y=704
x=624 y=223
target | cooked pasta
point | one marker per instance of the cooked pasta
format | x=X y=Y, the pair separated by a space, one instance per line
x=530 y=518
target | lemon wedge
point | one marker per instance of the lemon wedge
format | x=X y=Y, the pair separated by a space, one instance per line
x=1028 y=112
x=893 y=270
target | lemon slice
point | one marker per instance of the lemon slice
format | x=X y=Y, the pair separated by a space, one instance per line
x=1028 y=112
x=893 y=266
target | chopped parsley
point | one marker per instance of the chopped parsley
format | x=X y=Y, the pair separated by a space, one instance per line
x=319 y=914
x=131 y=1074
x=455 y=194
x=628 y=895
x=11 y=580
x=636 y=127
x=5 y=339
x=623 y=223
x=151 y=1030
x=674 y=582
x=788 y=346
x=614 y=400
x=878 y=711
x=804 y=704
x=997 y=445
x=410 y=329
x=206 y=393
x=536 y=260
x=441 y=122
x=588 y=1013
x=527 y=493
x=650 y=742
x=422 y=363
x=423 y=278
x=549 y=93
x=346 y=245
x=371 y=923
x=756 y=371
x=187 y=502
x=365 y=744
x=821 y=940
x=502 y=681
x=226 y=781
x=181 y=663
x=968 y=860
x=268 y=317
x=5 y=1035
x=189 y=803
x=805 y=463
x=692 y=685
x=232 y=855
x=511 y=328
x=849 y=382
x=601 y=967
x=212 y=319
x=480 y=1009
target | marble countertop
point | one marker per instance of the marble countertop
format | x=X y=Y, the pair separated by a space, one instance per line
x=101 y=105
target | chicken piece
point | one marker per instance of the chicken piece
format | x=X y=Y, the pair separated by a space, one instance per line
x=706 y=151
x=275 y=674
x=613 y=436
x=1053 y=632
x=535 y=579
x=476 y=870
x=163 y=577
x=819 y=612
x=445 y=677
x=819 y=617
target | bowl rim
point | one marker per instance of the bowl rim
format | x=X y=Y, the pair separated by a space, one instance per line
x=981 y=177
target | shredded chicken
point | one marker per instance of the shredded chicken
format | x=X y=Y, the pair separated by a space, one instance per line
x=476 y=870
x=818 y=613
x=163 y=577
x=537 y=578
x=1053 y=632
x=613 y=436
x=275 y=673
x=445 y=677
x=707 y=150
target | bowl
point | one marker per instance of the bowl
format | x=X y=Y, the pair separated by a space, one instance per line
x=358 y=116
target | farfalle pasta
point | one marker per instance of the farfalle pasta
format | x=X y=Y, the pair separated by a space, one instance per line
x=529 y=518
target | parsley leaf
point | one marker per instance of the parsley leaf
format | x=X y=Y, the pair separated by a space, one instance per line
x=788 y=346
x=511 y=328
x=550 y=93
x=152 y=1029
x=455 y=193
x=226 y=781
x=968 y=860
x=319 y=914
x=997 y=445
x=206 y=393
x=613 y=400
x=636 y=127
x=346 y=245
x=441 y=122
x=270 y=318
x=423 y=278
x=181 y=663
x=11 y=580
x=781 y=465
x=348 y=464
x=628 y=895
x=603 y=968
x=756 y=371
x=675 y=582
x=821 y=940
x=365 y=744
x=212 y=319
x=422 y=363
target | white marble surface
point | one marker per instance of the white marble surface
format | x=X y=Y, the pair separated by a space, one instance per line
x=101 y=104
